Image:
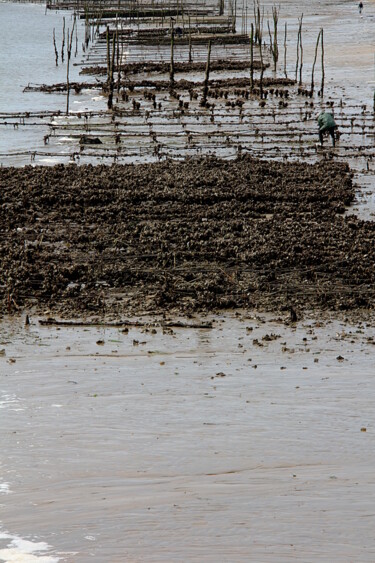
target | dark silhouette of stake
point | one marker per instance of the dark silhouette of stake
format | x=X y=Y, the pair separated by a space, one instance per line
x=190 y=55
x=63 y=42
x=273 y=40
x=171 y=70
x=285 y=36
x=252 y=58
x=301 y=50
x=323 y=73
x=55 y=47
x=69 y=52
x=108 y=54
x=111 y=73
x=261 y=71
x=207 y=76
x=314 y=63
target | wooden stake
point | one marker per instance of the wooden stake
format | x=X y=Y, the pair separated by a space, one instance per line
x=69 y=49
x=111 y=74
x=55 y=47
x=315 y=57
x=285 y=36
x=252 y=58
x=207 y=76
x=301 y=52
x=323 y=73
x=190 y=54
x=63 y=43
x=261 y=71
x=108 y=54
x=171 y=71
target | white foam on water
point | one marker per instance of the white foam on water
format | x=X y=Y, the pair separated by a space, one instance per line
x=49 y=160
x=7 y=400
x=5 y=488
x=19 y=550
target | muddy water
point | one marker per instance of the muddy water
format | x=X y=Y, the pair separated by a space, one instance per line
x=202 y=445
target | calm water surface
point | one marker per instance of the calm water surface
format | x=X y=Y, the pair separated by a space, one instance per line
x=27 y=57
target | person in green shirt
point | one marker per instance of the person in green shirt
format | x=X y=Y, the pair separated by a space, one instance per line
x=326 y=125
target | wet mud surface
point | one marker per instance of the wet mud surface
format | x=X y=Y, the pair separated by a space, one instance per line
x=237 y=443
x=194 y=236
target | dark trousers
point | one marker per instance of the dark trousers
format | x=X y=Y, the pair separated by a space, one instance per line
x=331 y=131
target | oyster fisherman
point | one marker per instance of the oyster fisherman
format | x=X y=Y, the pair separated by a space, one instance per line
x=326 y=124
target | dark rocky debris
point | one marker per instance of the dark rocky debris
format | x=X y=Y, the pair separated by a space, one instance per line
x=202 y=235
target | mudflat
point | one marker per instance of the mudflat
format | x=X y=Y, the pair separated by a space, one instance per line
x=201 y=235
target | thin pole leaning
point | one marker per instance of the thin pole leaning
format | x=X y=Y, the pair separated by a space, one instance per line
x=314 y=63
x=252 y=58
x=207 y=75
x=323 y=73
x=301 y=52
x=285 y=46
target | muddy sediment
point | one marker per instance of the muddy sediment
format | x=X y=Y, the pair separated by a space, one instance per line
x=199 y=235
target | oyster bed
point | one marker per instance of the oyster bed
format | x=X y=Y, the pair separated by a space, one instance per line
x=194 y=236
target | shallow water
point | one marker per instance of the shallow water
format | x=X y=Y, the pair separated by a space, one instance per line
x=202 y=445
x=27 y=57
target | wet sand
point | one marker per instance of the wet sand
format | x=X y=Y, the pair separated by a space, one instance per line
x=245 y=442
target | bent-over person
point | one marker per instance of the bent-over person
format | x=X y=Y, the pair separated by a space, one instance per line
x=326 y=125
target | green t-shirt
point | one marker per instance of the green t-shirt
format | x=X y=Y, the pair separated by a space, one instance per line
x=326 y=121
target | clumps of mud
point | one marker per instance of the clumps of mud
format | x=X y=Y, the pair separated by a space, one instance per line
x=194 y=236
x=160 y=67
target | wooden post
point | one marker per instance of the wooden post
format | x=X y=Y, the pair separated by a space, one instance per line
x=108 y=55
x=171 y=71
x=258 y=23
x=63 y=43
x=323 y=73
x=76 y=49
x=111 y=84
x=69 y=49
x=301 y=52
x=119 y=61
x=207 y=76
x=275 y=52
x=190 y=54
x=261 y=71
x=252 y=58
x=55 y=47
x=285 y=36
x=297 y=60
x=315 y=57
